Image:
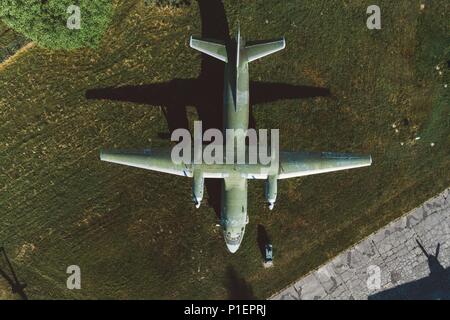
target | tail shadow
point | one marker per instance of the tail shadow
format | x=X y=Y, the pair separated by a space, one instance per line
x=238 y=288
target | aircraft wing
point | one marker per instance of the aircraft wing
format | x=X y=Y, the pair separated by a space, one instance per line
x=151 y=159
x=299 y=164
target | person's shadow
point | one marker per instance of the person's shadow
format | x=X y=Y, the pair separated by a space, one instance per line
x=205 y=92
x=434 y=287
x=433 y=263
x=17 y=287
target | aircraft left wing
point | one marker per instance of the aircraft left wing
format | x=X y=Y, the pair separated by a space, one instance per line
x=151 y=159
x=299 y=164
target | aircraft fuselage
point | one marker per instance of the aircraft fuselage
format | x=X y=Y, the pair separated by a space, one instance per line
x=234 y=216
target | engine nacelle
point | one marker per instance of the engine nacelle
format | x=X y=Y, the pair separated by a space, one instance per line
x=271 y=191
x=198 y=186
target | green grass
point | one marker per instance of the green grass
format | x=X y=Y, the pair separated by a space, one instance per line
x=134 y=233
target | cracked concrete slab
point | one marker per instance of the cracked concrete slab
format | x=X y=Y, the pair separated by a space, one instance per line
x=407 y=259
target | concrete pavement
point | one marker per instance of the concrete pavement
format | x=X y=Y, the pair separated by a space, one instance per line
x=397 y=262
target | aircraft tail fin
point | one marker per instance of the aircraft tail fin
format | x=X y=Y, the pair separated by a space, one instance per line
x=258 y=49
x=212 y=48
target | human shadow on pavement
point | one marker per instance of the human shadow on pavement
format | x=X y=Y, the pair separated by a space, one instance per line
x=434 y=287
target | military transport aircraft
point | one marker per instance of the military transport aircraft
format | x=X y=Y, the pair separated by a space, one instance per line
x=237 y=55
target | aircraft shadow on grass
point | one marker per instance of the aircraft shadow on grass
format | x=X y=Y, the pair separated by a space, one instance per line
x=434 y=287
x=16 y=286
x=237 y=287
x=205 y=92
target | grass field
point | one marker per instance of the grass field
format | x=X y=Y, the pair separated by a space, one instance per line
x=135 y=233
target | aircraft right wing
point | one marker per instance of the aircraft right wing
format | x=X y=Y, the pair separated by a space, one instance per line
x=151 y=159
x=299 y=164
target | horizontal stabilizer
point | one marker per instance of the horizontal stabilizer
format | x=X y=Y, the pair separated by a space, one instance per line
x=299 y=164
x=212 y=48
x=259 y=49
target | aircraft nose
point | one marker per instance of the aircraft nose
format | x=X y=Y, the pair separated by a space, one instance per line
x=233 y=248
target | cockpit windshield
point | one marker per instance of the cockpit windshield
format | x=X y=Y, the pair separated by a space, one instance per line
x=233 y=239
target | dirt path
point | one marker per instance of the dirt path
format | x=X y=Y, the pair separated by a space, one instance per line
x=15 y=56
